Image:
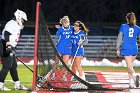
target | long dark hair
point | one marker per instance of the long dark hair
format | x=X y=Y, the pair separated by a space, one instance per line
x=83 y=27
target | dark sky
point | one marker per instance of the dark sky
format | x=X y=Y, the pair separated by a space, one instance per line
x=85 y=10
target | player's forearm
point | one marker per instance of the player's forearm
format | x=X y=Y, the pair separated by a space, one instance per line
x=119 y=41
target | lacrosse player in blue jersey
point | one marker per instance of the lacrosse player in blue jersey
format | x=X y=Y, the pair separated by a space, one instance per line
x=127 y=46
x=64 y=32
x=63 y=45
x=78 y=38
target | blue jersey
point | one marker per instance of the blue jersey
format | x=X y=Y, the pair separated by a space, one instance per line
x=64 y=42
x=129 y=44
x=75 y=38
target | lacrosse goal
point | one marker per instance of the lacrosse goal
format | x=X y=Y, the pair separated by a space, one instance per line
x=49 y=67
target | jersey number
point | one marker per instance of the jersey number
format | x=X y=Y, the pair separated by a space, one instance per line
x=17 y=39
x=67 y=36
x=131 y=31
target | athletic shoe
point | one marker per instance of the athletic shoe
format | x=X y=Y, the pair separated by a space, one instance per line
x=136 y=80
x=4 y=88
x=20 y=87
x=131 y=84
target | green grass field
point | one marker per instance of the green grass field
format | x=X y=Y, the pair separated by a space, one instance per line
x=26 y=75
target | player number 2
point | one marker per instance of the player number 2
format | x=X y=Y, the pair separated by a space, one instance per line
x=131 y=31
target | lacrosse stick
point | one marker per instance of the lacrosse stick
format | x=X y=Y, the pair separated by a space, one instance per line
x=24 y=64
x=82 y=38
x=74 y=56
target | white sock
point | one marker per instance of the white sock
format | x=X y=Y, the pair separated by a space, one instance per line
x=77 y=73
x=83 y=77
x=131 y=80
x=134 y=74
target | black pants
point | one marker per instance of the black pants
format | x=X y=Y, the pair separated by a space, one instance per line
x=9 y=64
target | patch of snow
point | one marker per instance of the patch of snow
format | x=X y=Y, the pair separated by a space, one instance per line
x=103 y=62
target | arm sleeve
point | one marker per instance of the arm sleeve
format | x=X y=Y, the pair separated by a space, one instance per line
x=7 y=36
x=119 y=41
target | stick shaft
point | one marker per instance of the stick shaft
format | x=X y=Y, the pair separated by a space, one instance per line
x=74 y=56
x=24 y=64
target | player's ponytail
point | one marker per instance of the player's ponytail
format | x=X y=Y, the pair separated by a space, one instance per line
x=83 y=27
x=131 y=19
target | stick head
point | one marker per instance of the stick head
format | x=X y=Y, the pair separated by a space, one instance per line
x=82 y=38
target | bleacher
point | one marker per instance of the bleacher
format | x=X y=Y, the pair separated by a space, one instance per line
x=97 y=47
x=101 y=47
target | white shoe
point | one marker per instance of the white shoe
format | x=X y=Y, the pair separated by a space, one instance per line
x=131 y=84
x=18 y=86
x=4 y=88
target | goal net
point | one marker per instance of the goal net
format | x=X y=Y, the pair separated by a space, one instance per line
x=49 y=68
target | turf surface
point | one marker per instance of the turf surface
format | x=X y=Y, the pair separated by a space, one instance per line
x=25 y=75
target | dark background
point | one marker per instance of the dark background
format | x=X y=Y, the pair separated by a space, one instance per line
x=102 y=17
